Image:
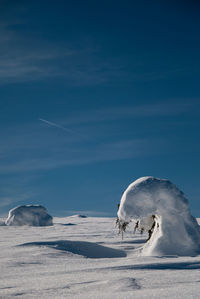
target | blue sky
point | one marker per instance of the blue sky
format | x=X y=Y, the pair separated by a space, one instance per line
x=93 y=95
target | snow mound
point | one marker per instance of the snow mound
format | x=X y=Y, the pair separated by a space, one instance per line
x=78 y=216
x=175 y=231
x=32 y=215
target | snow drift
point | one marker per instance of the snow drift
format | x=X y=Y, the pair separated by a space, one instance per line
x=176 y=231
x=32 y=215
x=86 y=249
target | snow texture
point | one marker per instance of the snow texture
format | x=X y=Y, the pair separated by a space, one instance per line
x=40 y=262
x=32 y=215
x=176 y=231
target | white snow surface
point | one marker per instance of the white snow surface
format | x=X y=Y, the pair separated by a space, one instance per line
x=86 y=258
x=176 y=231
x=33 y=215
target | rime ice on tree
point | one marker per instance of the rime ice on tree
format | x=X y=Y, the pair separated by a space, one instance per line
x=175 y=231
x=32 y=215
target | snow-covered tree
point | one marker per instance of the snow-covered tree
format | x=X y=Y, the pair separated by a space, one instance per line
x=174 y=231
x=32 y=215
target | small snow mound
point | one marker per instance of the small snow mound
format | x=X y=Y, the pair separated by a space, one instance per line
x=175 y=230
x=32 y=215
x=68 y=224
x=79 y=216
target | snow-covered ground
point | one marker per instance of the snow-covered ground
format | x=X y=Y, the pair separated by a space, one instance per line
x=86 y=258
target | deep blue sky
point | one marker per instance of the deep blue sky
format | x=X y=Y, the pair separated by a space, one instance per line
x=119 y=83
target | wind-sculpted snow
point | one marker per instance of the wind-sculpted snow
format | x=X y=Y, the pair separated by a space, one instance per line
x=32 y=215
x=86 y=249
x=58 y=262
x=175 y=231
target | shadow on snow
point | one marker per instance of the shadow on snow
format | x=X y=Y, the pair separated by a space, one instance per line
x=67 y=224
x=162 y=266
x=86 y=249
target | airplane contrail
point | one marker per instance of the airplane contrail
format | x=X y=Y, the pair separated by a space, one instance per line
x=56 y=125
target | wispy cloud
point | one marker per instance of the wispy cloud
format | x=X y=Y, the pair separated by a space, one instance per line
x=131 y=111
x=15 y=190
x=14 y=199
x=108 y=136
x=113 y=134
x=7 y=201
x=60 y=156
x=24 y=59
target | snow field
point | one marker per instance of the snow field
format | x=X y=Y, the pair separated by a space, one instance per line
x=48 y=267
